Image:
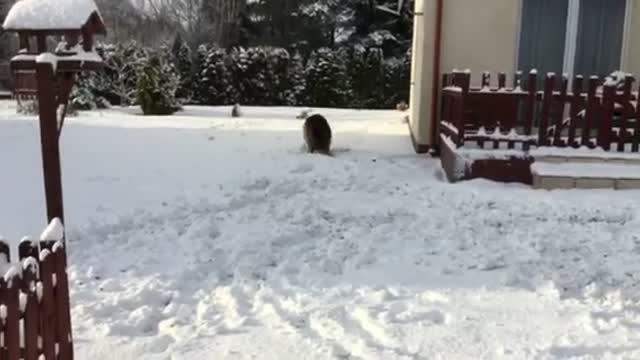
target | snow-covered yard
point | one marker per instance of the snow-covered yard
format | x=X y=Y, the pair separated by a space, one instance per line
x=199 y=236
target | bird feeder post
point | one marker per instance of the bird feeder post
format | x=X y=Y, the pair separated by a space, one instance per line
x=54 y=71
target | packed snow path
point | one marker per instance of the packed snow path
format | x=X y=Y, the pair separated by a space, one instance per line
x=199 y=236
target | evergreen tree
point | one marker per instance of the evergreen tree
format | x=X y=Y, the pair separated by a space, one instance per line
x=356 y=65
x=198 y=85
x=122 y=63
x=250 y=73
x=278 y=81
x=87 y=92
x=327 y=83
x=397 y=75
x=374 y=80
x=183 y=62
x=157 y=85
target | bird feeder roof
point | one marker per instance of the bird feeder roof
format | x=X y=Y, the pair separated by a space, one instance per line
x=54 y=16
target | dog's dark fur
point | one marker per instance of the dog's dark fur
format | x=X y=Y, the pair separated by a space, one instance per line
x=317 y=135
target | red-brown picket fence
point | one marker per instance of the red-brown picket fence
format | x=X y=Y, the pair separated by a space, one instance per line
x=34 y=302
x=604 y=113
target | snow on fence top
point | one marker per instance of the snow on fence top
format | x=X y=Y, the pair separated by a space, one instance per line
x=53 y=232
x=34 y=288
x=50 y=14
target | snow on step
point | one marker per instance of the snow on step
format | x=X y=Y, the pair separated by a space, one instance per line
x=585 y=175
x=586 y=170
x=49 y=14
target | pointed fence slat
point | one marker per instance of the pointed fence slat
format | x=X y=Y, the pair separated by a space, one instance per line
x=12 y=321
x=546 y=110
x=635 y=144
x=559 y=123
x=606 y=121
x=626 y=114
x=62 y=302
x=577 y=104
x=31 y=313
x=48 y=319
x=591 y=111
x=502 y=81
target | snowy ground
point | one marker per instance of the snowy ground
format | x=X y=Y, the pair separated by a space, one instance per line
x=199 y=236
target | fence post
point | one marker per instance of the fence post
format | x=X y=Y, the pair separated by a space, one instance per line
x=532 y=89
x=547 y=102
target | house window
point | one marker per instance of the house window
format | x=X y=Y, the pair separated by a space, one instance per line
x=572 y=36
x=542 y=35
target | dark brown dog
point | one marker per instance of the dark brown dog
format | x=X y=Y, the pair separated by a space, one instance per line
x=317 y=135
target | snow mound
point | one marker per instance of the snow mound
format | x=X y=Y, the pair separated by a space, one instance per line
x=246 y=247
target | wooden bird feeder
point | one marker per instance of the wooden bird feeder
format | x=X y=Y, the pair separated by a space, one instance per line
x=50 y=71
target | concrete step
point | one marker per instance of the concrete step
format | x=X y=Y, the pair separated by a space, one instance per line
x=586 y=175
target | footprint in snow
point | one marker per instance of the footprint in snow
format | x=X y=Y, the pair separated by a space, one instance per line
x=302 y=169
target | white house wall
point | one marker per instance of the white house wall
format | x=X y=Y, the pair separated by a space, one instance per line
x=476 y=35
x=480 y=36
x=422 y=70
x=632 y=61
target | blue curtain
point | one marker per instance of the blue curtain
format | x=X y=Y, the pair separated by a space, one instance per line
x=542 y=38
x=600 y=37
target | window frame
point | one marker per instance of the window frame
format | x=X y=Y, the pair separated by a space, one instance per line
x=570 y=48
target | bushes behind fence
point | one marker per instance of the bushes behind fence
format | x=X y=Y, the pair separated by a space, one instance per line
x=347 y=77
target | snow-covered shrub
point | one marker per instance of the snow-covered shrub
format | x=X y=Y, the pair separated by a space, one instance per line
x=122 y=64
x=157 y=85
x=365 y=69
x=397 y=81
x=296 y=82
x=27 y=107
x=278 y=77
x=327 y=83
x=356 y=64
x=249 y=75
x=87 y=94
x=213 y=83
x=347 y=77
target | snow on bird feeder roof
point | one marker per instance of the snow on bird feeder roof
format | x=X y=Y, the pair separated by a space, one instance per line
x=41 y=15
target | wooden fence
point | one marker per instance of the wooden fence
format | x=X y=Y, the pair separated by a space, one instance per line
x=25 y=87
x=591 y=113
x=5 y=75
x=34 y=303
